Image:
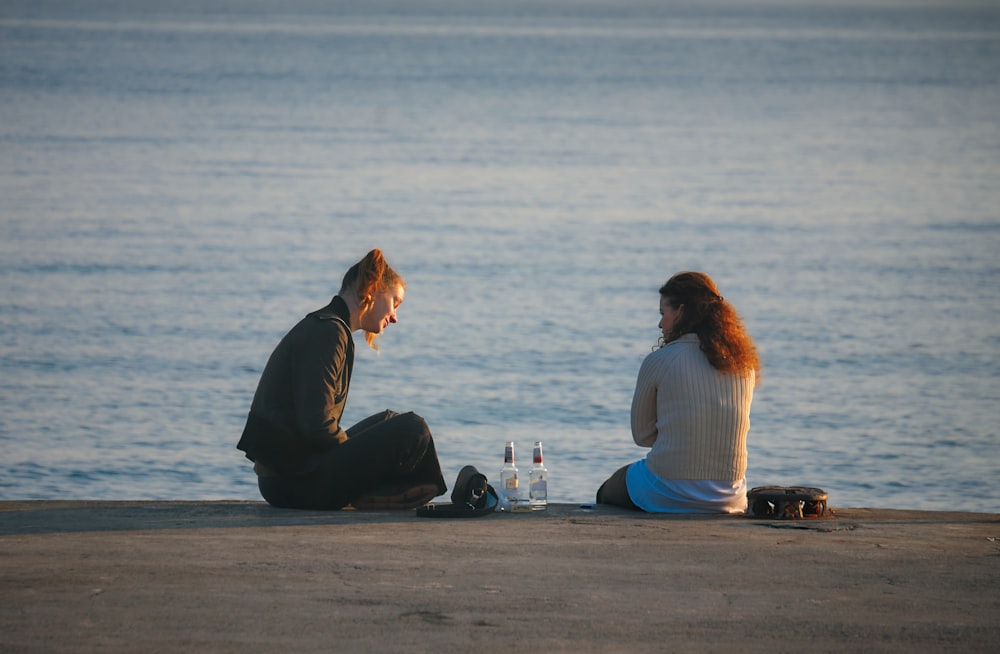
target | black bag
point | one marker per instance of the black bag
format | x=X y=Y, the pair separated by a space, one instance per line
x=471 y=497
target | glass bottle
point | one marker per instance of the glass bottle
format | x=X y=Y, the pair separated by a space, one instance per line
x=508 y=475
x=538 y=481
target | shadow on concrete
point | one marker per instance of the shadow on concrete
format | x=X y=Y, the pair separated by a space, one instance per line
x=52 y=517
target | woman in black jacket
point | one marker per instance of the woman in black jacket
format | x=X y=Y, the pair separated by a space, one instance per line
x=302 y=455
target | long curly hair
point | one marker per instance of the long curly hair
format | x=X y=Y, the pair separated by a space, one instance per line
x=717 y=324
x=367 y=277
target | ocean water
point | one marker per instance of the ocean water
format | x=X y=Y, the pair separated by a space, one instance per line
x=180 y=182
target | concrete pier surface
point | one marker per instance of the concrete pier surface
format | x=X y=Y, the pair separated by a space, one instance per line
x=88 y=576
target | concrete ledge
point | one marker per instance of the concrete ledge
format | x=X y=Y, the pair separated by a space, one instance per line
x=228 y=576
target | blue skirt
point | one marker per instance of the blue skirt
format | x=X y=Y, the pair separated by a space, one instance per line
x=654 y=494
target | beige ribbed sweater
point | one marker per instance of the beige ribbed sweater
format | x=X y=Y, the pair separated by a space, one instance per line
x=694 y=417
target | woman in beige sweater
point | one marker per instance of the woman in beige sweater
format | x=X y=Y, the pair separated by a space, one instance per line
x=691 y=408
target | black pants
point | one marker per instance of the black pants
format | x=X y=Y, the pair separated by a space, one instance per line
x=384 y=451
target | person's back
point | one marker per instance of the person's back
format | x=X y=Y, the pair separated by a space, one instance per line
x=694 y=417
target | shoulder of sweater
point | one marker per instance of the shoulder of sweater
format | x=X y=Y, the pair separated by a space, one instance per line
x=676 y=348
x=683 y=354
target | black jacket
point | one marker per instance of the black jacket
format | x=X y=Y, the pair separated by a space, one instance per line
x=300 y=399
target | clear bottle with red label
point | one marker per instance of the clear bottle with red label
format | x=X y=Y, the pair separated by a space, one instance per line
x=508 y=476
x=538 y=481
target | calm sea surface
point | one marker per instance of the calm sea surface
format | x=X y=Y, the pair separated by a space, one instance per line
x=179 y=184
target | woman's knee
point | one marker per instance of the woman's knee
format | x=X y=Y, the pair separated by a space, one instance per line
x=614 y=491
x=413 y=424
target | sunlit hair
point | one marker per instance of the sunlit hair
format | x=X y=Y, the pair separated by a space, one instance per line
x=719 y=328
x=365 y=279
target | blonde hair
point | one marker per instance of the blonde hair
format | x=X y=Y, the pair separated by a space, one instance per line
x=367 y=277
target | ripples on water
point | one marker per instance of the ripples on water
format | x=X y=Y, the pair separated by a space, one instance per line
x=180 y=185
